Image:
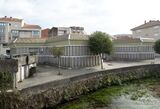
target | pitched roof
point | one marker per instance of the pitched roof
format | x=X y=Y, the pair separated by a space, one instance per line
x=73 y=36
x=29 y=40
x=28 y=26
x=151 y=23
x=126 y=39
x=10 y=19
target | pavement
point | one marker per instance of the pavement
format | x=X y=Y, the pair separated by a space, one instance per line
x=47 y=74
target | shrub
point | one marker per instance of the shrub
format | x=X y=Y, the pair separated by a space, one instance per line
x=6 y=80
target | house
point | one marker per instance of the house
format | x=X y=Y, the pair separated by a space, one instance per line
x=12 y=28
x=45 y=33
x=149 y=29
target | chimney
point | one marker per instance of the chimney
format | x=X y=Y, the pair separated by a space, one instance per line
x=145 y=22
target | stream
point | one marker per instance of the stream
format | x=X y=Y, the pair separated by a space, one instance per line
x=143 y=94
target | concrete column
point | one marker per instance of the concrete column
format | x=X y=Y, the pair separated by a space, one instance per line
x=14 y=81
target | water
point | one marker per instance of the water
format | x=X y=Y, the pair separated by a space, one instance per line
x=144 y=94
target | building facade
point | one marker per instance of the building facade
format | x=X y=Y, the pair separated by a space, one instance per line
x=149 y=29
x=45 y=33
x=12 y=28
x=133 y=49
x=64 y=31
x=76 y=53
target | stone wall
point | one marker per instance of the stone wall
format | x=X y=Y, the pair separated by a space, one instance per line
x=9 y=65
x=53 y=93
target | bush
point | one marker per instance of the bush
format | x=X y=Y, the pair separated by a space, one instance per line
x=6 y=80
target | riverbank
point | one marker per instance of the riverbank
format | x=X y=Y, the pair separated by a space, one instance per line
x=57 y=92
x=135 y=94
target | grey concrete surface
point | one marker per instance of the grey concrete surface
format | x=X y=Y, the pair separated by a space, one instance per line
x=49 y=73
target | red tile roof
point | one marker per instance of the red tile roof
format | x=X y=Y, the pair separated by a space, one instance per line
x=10 y=19
x=28 y=26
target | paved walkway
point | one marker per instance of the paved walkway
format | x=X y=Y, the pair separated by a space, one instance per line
x=49 y=73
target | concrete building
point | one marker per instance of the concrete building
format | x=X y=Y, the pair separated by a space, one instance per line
x=149 y=29
x=75 y=49
x=12 y=28
x=133 y=49
x=63 y=31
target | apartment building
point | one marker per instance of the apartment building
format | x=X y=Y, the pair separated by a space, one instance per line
x=64 y=31
x=149 y=29
x=12 y=28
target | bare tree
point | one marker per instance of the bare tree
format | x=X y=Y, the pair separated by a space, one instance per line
x=58 y=52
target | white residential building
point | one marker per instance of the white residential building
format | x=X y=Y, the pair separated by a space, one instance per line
x=12 y=28
x=149 y=29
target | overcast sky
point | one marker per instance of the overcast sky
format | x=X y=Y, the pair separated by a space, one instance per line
x=110 y=16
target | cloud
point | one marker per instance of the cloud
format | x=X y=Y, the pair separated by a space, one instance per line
x=111 y=16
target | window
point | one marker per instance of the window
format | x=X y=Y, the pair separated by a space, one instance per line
x=3 y=24
x=35 y=33
x=5 y=45
x=138 y=31
x=15 y=33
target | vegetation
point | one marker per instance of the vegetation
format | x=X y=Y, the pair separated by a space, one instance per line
x=103 y=97
x=57 y=52
x=157 y=46
x=6 y=80
x=100 y=43
x=99 y=98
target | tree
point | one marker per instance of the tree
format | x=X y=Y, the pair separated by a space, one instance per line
x=57 y=52
x=100 y=43
x=157 y=46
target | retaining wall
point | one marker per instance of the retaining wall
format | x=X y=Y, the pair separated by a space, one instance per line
x=53 y=93
x=70 y=61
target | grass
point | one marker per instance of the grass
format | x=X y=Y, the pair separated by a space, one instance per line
x=99 y=98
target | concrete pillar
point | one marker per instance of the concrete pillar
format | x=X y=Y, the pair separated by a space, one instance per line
x=14 y=81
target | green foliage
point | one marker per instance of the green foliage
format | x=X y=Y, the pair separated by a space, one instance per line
x=138 y=94
x=6 y=80
x=157 y=46
x=57 y=51
x=100 y=43
x=96 y=99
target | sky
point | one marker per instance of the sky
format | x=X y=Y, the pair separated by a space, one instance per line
x=110 y=16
